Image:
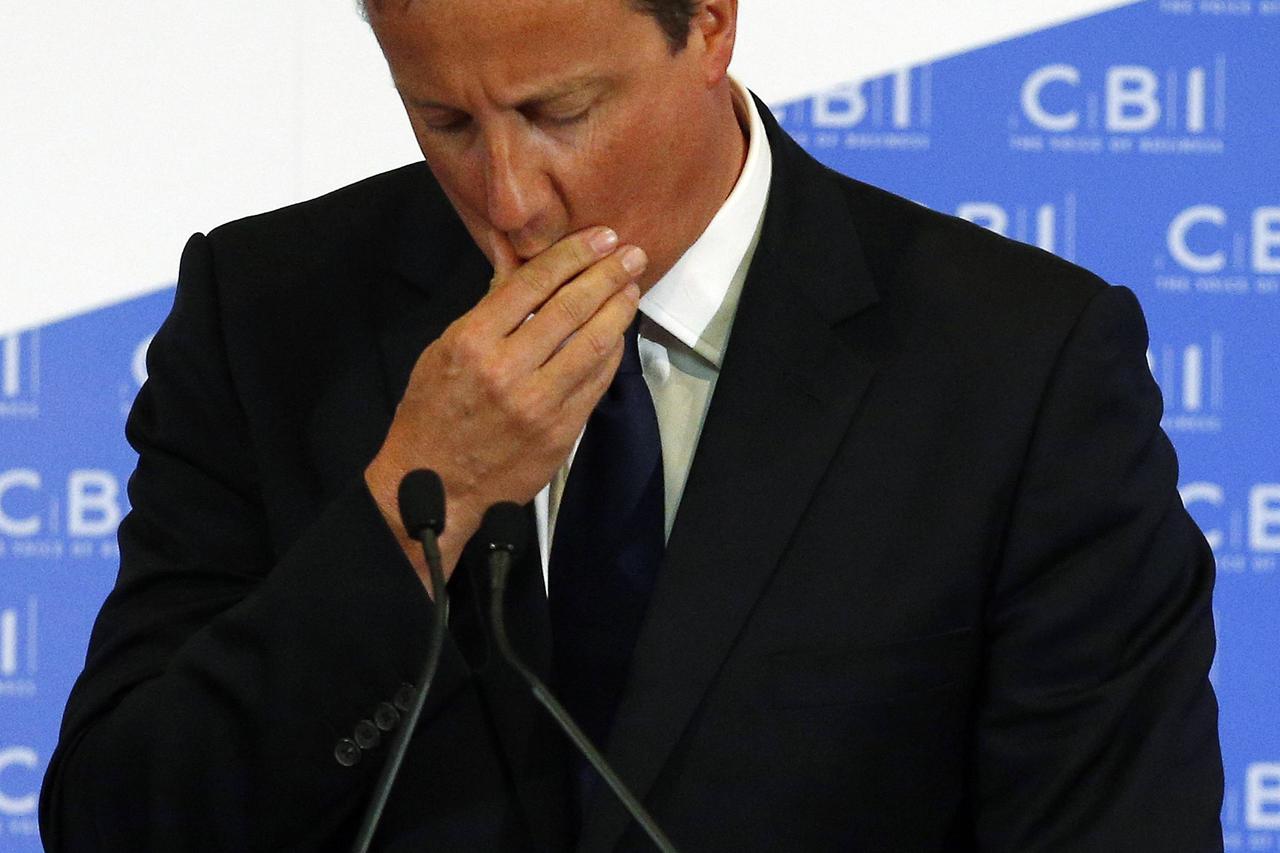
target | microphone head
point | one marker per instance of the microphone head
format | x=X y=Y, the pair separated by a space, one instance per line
x=422 y=502
x=504 y=528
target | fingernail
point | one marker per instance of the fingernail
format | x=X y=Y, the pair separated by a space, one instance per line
x=604 y=241
x=633 y=292
x=634 y=260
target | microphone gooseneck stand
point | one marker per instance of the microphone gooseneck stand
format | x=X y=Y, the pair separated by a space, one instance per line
x=504 y=533
x=421 y=497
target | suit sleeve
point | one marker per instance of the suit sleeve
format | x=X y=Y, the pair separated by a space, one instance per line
x=221 y=674
x=1097 y=724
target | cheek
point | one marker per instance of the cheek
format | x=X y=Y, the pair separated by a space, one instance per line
x=451 y=169
x=616 y=180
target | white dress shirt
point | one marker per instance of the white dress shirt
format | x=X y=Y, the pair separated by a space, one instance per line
x=685 y=324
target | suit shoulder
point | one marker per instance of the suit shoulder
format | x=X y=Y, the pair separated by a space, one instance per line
x=911 y=248
x=959 y=246
x=378 y=194
x=360 y=218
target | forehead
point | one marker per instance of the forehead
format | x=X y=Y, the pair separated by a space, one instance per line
x=510 y=44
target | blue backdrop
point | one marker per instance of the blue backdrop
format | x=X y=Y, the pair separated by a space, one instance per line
x=1141 y=143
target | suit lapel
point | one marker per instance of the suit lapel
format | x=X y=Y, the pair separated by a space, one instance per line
x=437 y=274
x=785 y=397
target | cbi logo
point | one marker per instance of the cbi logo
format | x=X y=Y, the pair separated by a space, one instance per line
x=76 y=518
x=1209 y=249
x=1242 y=527
x=18 y=650
x=19 y=784
x=1123 y=109
x=1220 y=8
x=1049 y=225
x=886 y=113
x=1251 y=821
x=20 y=375
x=1191 y=378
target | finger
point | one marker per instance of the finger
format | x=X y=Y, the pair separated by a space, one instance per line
x=573 y=305
x=582 y=399
x=526 y=288
x=505 y=259
x=597 y=341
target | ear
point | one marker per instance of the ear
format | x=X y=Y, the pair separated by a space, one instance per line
x=715 y=26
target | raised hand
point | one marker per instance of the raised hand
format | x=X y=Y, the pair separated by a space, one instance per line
x=495 y=404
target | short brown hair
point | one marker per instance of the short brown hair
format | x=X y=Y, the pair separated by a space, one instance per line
x=673 y=16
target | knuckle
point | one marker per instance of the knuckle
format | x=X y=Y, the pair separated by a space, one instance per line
x=570 y=256
x=572 y=309
x=537 y=279
x=465 y=348
x=618 y=273
x=597 y=344
x=599 y=381
x=526 y=410
x=494 y=377
x=579 y=251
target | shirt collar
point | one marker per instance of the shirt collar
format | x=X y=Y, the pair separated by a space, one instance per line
x=696 y=300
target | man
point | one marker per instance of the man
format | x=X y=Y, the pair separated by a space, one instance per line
x=927 y=583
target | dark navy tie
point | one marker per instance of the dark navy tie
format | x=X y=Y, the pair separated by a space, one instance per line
x=608 y=543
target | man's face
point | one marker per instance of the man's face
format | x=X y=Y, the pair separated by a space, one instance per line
x=541 y=117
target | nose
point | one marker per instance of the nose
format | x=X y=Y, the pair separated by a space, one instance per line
x=516 y=186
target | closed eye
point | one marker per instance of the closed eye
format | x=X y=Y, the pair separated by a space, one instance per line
x=555 y=118
x=454 y=125
x=566 y=121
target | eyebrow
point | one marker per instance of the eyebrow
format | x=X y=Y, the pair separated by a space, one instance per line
x=554 y=92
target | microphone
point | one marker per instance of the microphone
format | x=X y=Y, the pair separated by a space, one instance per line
x=421 y=498
x=503 y=532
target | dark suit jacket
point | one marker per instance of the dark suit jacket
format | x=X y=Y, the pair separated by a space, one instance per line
x=931 y=586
